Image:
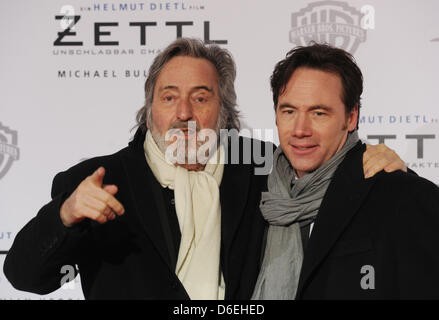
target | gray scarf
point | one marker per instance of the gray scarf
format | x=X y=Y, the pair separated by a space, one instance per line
x=286 y=209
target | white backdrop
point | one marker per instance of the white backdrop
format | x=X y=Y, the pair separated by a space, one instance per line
x=63 y=103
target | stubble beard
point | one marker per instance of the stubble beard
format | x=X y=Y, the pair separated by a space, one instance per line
x=162 y=144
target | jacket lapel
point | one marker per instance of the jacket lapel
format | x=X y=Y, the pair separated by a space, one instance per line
x=233 y=197
x=146 y=196
x=343 y=198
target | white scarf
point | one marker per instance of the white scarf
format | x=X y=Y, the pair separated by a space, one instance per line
x=199 y=215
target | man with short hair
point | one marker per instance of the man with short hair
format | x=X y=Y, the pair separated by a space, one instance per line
x=140 y=226
x=333 y=234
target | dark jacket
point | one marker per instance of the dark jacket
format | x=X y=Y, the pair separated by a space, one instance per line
x=131 y=256
x=373 y=239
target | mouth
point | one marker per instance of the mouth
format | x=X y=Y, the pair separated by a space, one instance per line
x=303 y=149
x=185 y=130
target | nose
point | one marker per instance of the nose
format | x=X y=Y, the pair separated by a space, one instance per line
x=184 y=110
x=302 y=126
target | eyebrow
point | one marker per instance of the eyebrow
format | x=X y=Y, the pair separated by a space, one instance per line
x=204 y=88
x=194 y=88
x=314 y=107
x=320 y=106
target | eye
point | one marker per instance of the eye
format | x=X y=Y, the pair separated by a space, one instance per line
x=168 y=98
x=200 y=99
x=288 y=111
x=319 y=113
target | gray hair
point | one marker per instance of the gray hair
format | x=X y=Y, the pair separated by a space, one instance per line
x=224 y=65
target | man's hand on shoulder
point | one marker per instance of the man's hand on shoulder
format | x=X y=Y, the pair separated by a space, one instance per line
x=91 y=200
x=380 y=157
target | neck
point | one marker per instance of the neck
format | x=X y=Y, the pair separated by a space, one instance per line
x=297 y=175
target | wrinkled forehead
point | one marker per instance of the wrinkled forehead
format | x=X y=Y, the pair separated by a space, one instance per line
x=185 y=72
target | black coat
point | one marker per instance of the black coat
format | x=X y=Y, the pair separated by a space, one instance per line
x=131 y=256
x=389 y=222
